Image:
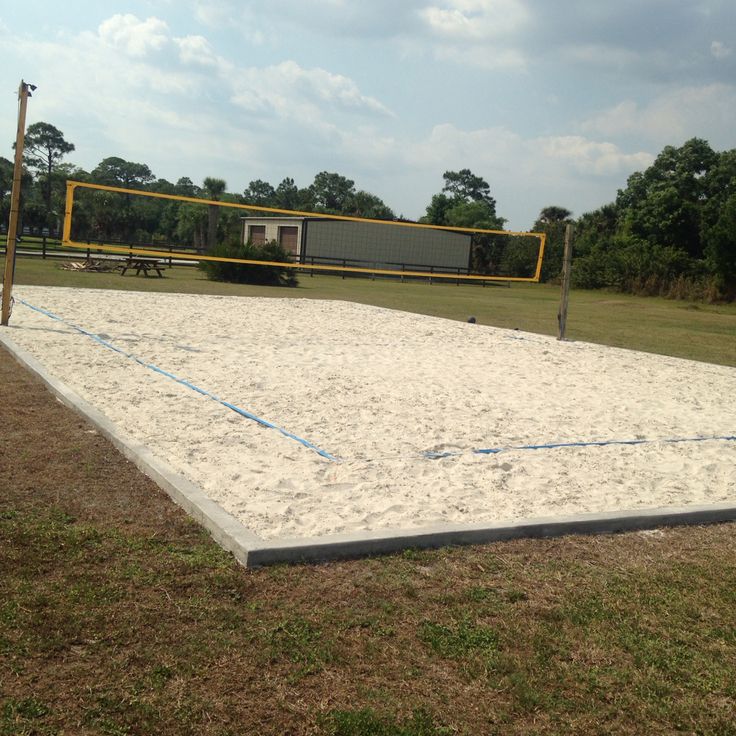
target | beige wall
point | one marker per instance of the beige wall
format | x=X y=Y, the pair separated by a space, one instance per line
x=272 y=225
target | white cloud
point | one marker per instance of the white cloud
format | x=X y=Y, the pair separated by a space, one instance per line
x=290 y=91
x=506 y=152
x=108 y=103
x=217 y=15
x=706 y=111
x=153 y=110
x=450 y=146
x=196 y=50
x=525 y=173
x=719 y=50
x=213 y=13
x=480 y=33
x=590 y=157
x=474 y=20
x=133 y=36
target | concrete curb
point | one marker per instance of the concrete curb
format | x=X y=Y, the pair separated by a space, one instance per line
x=386 y=541
x=225 y=529
x=252 y=551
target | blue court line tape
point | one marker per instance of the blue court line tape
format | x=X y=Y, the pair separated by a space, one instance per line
x=602 y=443
x=184 y=382
x=428 y=455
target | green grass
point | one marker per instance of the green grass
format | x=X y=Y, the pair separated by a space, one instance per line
x=551 y=636
x=367 y=722
x=459 y=639
x=300 y=642
x=682 y=329
x=24 y=717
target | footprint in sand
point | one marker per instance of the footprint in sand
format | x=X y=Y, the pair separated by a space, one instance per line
x=339 y=486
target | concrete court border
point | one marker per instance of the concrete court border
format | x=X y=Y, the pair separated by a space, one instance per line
x=252 y=551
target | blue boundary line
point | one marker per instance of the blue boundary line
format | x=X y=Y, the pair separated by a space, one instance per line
x=184 y=382
x=428 y=455
x=602 y=443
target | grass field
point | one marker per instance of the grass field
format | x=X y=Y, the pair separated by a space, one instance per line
x=683 y=329
x=118 y=615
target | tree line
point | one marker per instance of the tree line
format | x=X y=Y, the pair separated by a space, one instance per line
x=101 y=215
x=671 y=231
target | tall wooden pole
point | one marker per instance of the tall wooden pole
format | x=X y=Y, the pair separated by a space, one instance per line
x=23 y=95
x=566 y=273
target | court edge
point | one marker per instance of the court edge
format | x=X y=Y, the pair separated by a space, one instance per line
x=252 y=551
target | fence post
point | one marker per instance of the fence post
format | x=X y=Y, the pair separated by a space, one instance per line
x=43 y=248
x=565 y=292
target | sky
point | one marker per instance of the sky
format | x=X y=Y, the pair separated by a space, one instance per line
x=552 y=103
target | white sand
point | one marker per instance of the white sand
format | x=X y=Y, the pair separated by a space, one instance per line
x=379 y=388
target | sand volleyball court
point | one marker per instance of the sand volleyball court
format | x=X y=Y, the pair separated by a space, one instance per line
x=397 y=404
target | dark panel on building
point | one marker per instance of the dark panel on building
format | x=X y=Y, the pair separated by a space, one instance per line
x=385 y=246
x=257 y=234
x=289 y=238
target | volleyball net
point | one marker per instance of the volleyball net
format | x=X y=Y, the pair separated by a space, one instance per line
x=132 y=222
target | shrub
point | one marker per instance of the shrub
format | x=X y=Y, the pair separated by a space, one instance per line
x=246 y=273
x=591 y=271
x=631 y=265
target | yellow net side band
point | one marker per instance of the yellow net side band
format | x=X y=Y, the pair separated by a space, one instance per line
x=67 y=241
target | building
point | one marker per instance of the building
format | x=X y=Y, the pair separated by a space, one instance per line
x=321 y=240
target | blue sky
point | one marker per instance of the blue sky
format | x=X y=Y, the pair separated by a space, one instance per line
x=553 y=103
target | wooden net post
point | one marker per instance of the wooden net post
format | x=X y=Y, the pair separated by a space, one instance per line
x=566 y=273
x=23 y=95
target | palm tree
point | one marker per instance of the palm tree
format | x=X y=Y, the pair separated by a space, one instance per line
x=552 y=215
x=214 y=189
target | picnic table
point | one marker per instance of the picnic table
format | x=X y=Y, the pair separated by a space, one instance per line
x=142 y=264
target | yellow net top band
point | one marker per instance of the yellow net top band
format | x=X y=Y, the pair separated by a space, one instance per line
x=298 y=213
